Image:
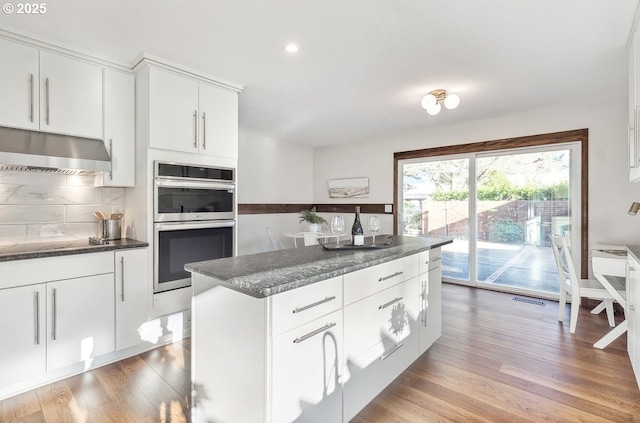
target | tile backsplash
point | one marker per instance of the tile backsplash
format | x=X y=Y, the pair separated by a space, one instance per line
x=41 y=206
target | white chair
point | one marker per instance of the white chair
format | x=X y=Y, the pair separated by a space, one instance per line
x=309 y=238
x=578 y=288
x=275 y=239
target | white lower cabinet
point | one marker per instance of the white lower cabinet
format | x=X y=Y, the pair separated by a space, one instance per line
x=133 y=299
x=23 y=353
x=307 y=366
x=632 y=315
x=430 y=321
x=319 y=353
x=80 y=320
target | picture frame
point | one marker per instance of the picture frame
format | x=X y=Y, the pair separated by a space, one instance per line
x=348 y=188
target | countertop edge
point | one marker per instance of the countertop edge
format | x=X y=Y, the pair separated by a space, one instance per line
x=634 y=250
x=125 y=243
x=239 y=283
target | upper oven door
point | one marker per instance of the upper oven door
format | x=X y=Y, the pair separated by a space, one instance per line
x=176 y=201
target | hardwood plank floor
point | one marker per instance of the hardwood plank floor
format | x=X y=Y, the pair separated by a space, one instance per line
x=498 y=360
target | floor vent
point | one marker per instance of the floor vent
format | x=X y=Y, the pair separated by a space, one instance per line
x=529 y=300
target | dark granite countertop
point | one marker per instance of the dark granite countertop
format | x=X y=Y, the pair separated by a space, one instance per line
x=264 y=274
x=634 y=250
x=16 y=251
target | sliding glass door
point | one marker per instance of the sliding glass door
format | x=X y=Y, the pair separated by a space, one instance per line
x=500 y=208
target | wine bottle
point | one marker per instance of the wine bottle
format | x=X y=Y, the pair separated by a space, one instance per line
x=357 y=233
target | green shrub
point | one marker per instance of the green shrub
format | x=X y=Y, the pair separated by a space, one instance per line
x=507 y=232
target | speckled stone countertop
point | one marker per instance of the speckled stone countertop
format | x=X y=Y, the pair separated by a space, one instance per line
x=634 y=250
x=265 y=274
x=16 y=251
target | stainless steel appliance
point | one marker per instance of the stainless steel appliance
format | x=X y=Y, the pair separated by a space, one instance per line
x=194 y=215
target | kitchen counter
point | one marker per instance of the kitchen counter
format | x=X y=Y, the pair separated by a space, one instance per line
x=265 y=274
x=10 y=251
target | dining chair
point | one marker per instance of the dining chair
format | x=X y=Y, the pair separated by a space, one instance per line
x=309 y=238
x=577 y=288
x=275 y=239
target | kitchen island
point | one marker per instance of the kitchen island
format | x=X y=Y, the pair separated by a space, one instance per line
x=309 y=334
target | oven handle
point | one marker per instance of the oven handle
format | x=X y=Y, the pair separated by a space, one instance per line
x=193 y=184
x=180 y=226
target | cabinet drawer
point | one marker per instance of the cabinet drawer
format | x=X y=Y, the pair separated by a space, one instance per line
x=385 y=316
x=299 y=306
x=367 y=375
x=430 y=259
x=365 y=282
x=28 y=272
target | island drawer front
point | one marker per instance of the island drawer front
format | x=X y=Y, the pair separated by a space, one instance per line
x=365 y=282
x=48 y=269
x=430 y=259
x=367 y=375
x=302 y=305
x=383 y=317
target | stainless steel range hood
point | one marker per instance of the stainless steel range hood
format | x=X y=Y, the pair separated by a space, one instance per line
x=43 y=152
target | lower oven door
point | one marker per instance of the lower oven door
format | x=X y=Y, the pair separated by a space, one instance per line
x=179 y=243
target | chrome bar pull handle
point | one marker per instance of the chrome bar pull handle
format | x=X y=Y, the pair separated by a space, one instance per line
x=36 y=299
x=31 y=91
x=317 y=303
x=204 y=130
x=384 y=356
x=195 y=129
x=46 y=96
x=111 y=157
x=54 y=315
x=395 y=300
x=314 y=333
x=122 y=277
x=384 y=278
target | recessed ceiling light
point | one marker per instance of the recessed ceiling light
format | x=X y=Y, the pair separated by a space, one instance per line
x=291 y=48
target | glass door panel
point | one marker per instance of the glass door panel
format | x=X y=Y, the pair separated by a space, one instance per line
x=435 y=203
x=521 y=200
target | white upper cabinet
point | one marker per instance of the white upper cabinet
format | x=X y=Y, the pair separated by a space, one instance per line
x=634 y=111
x=119 y=128
x=49 y=92
x=189 y=115
x=19 y=86
x=218 y=121
x=173 y=111
x=70 y=96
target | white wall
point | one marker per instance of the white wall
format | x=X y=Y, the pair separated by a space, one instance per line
x=610 y=193
x=271 y=172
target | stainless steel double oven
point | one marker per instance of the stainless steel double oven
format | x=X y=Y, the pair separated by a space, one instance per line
x=194 y=219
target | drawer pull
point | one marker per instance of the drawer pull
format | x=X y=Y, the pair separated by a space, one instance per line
x=36 y=300
x=384 y=278
x=383 y=357
x=314 y=333
x=390 y=303
x=317 y=303
x=437 y=259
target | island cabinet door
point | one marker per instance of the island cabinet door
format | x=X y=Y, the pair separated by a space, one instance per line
x=307 y=364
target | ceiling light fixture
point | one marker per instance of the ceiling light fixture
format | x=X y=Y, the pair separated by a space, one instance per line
x=291 y=48
x=433 y=101
x=635 y=206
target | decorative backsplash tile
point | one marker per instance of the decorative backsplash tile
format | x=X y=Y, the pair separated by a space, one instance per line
x=34 y=206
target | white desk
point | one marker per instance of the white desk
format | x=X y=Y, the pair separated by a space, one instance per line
x=609 y=264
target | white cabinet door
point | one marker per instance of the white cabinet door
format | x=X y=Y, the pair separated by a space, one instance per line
x=133 y=298
x=431 y=316
x=119 y=128
x=633 y=155
x=173 y=111
x=70 y=96
x=307 y=364
x=80 y=320
x=633 y=315
x=218 y=121
x=23 y=352
x=19 y=86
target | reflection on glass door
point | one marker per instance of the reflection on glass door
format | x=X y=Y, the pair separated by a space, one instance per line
x=436 y=203
x=521 y=200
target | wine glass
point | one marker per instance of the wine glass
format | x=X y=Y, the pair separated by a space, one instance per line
x=374 y=227
x=337 y=226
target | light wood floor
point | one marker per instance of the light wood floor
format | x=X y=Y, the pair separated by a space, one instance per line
x=498 y=360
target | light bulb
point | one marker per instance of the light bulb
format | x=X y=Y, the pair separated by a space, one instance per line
x=434 y=109
x=452 y=101
x=428 y=100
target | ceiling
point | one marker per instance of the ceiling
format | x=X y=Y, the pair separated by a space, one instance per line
x=363 y=65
